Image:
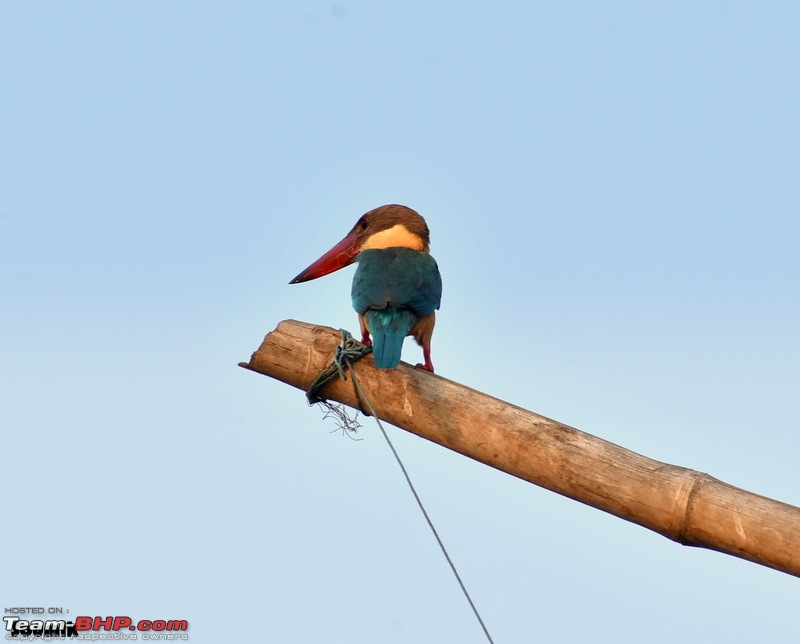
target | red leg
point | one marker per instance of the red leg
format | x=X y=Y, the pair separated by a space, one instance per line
x=364 y=330
x=426 y=354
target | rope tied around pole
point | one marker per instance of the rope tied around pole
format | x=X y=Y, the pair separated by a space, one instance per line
x=348 y=351
x=345 y=354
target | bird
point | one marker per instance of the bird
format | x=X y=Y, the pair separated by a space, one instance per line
x=396 y=288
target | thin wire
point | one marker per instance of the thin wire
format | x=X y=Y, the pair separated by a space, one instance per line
x=363 y=396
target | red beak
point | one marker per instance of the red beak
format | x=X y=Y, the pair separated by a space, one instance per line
x=339 y=256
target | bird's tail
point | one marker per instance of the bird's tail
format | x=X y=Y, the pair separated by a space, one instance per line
x=388 y=327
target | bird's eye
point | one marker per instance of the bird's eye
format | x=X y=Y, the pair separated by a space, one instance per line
x=362 y=224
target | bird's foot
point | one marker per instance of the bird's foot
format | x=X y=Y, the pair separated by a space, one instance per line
x=426 y=355
x=365 y=339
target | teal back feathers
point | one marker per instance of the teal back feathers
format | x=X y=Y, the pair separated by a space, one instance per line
x=392 y=289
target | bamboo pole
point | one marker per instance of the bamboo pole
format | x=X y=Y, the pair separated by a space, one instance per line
x=684 y=505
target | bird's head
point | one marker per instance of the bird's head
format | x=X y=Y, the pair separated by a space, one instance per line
x=385 y=227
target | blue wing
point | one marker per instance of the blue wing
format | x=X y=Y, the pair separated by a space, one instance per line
x=393 y=288
x=398 y=278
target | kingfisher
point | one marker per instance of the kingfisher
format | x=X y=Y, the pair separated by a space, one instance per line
x=397 y=286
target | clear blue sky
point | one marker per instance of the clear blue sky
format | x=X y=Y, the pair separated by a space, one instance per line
x=612 y=190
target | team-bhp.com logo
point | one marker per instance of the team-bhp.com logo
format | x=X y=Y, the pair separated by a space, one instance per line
x=119 y=627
